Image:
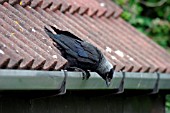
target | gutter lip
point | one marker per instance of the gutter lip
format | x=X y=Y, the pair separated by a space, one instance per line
x=52 y=80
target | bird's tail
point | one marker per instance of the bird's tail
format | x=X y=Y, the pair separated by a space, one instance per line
x=56 y=30
x=49 y=33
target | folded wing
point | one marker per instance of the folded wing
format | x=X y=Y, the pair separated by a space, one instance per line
x=81 y=50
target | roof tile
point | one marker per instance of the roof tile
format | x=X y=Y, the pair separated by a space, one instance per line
x=15 y=58
x=27 y=59
x=28 y=37
x=4 y=60
x=27 y=46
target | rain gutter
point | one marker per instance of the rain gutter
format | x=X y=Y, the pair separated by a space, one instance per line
x=52 y=80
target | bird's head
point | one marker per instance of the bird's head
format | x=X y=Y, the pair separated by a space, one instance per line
x=108 y=76
x=106 y=70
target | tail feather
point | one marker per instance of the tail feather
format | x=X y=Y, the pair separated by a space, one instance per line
x=50 y=34
x=56 y=30
x=46 y=29
x=67 y=33
x=55 y=37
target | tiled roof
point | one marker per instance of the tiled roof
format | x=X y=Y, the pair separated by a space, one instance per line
x=25 y=45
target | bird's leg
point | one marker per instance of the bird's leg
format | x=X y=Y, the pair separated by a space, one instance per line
x=108 y=81
x=86 y=74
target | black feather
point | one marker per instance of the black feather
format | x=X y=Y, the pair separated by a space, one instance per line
x=66 y=33
x=79 y=53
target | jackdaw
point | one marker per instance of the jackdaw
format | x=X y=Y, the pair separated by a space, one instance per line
x=81 y=55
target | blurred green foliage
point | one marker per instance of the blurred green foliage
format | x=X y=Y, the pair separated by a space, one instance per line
x=151 y=17
x=167 y=104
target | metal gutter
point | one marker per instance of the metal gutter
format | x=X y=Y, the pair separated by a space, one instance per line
x=52 y=80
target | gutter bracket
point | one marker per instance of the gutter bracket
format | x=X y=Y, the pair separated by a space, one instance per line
x=62 y=89
x=121 y=86
x=156 y=87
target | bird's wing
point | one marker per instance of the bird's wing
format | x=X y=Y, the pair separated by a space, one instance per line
x=92 y=52
x=75 y=46
x=83 y=51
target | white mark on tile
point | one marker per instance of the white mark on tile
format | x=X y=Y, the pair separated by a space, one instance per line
x=50 y=47
x=102 y=4
x=33 y=30
x=120 y=53
x=4 y=45
x=113 y=57
x=108 y=49
x=54 y=56
x=2 y=52
x=130 y=58
x=16 y=51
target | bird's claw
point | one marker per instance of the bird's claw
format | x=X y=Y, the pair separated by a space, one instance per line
x=108 y=81
x=86 y=75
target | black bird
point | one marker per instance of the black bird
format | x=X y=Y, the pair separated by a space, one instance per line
x=81 y=54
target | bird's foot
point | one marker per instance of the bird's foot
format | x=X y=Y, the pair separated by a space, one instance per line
x=86 y=74
x=108 y=81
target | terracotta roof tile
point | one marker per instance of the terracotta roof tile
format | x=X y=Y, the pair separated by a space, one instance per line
x=15 y=58
x=27 y=59
x=4 y=60
x=25 y=45
x=26 y=35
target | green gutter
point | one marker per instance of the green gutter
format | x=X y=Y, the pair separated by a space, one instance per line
x=52 y=80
